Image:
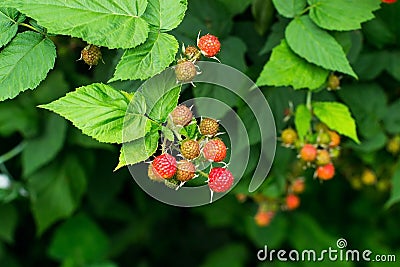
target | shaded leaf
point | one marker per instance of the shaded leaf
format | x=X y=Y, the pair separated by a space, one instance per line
x=56 y=192
x=44 y=148
x=8 y=222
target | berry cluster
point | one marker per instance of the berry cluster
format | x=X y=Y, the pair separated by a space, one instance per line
x=197 y=145
x=186 y=69
x=316 y=150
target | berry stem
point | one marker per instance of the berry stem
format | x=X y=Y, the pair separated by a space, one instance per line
x=308 y=101
x=12 y=153
x=30 y=27
x=203 y=173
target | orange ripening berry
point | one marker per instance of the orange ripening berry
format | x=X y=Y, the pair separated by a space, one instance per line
x=335 y=139
x=325 y=172
x=308 y=153
x=292 y=202
x=263 y=218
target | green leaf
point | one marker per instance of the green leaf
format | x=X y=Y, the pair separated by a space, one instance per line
x=56 y=191
x=8 y=222
x=316 y=45
x=42 y=149
x=392 y=118
x=342 y=15
x=138 y=150
x=190 y=131
x=99 y=111
x=236 y=6
x=165 y=105
x=289 y=8
x=79 y=239
x=114 y=24
x=395 y=193
x=276 y=36
x=165 y=15
x=24 y=63
x=137 y=104
x=263 y=13
x=168 y=133
x=302 y=120
x=285 y=68
x=14 y=118
x=9 y=19
x=223 y=256
x=147 y=59
x=393 y=66
x=337 y=117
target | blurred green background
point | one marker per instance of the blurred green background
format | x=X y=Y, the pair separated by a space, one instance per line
x=65 y=206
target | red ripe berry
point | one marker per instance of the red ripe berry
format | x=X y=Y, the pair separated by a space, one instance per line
x=292 y=202
x=164 y=166
x=220 y=179
x=263 y=218
x=325 y=172
x=308 y=153
x=181 y=115
x=215 y=150
x=389 y=1
x=209 y=45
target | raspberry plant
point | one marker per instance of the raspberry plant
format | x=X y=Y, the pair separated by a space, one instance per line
x=329 y=70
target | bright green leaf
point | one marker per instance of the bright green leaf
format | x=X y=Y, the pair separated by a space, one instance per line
x=42 y=149
x=285 y=68
x=289 y=8
x=337 y=117
x=8 y=222
x=114 y=24
x=79 y=239
x=24 y=63
x=165 y=15
x=190 y=131
x=316 y=45
x=165 y=105
x=137 y=104
x=302 y=120
x=99 y=111
x=56 y=191
x=138 y=150
x=9 y=18
x=147 y=59
x=342 y=15
x=395 y=193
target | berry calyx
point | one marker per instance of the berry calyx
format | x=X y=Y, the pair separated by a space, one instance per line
x=152 y=175
x=185 y=171
x=190 y=149
x=164 y=166
x=220 y=179
x=335 y=139
x=181 y=115
x=209 y=45
x=215 y=150
x=288 y=137
x=91 y=55
x=323 y=157
x=292 y=202
x=185 y=71
x=263 y=218
x=209 y=127
x=308 y=153
x=325 y=172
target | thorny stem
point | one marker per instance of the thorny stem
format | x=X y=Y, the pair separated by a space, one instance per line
x=12 y=153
